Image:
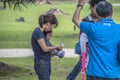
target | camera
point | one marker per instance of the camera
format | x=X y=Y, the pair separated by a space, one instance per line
x=60 y=54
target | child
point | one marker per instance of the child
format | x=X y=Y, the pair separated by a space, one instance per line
x=48 y=34
x=54 y=52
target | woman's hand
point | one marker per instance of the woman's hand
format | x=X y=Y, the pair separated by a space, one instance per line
x=59 y=47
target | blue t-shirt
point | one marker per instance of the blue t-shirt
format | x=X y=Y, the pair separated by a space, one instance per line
x=38 y=52
x=103 y=38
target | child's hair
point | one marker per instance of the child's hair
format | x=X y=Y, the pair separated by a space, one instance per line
x=45 y=33
x=49 y=17
x=93 y=2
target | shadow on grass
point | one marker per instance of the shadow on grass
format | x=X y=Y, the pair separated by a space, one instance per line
x=10 y=72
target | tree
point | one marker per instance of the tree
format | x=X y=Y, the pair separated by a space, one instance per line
x=16 y=3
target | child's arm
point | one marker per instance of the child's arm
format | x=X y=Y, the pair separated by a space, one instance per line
x=83 y=41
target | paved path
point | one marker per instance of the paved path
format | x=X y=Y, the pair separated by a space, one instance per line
x=28 y=52
x=116 y=4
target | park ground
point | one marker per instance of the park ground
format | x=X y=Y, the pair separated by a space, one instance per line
x=16 y=35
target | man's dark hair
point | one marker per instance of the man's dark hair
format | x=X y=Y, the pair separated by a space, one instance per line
x=104 y=9
x=93 y=2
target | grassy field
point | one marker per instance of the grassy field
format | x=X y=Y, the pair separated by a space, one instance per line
x=60 y=68
x=114 y=1
x=18 y=34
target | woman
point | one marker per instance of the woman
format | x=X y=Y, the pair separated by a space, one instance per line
x=41 y=48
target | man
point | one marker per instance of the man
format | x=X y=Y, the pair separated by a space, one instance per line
x=92 y=17
x=103 y=38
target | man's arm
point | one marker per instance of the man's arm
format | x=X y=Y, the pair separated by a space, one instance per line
x=76 y=14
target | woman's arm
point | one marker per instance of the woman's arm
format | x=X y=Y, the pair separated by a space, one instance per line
x=46 y=48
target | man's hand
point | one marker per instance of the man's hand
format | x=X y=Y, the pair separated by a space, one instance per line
x=76 y=14
x=82 y=2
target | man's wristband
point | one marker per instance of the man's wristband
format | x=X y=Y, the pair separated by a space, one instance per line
x=79 y=5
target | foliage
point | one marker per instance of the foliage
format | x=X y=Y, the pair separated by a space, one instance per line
x=114 y=1
x=16 y=3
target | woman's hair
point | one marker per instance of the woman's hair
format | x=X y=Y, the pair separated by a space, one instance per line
x=104 y=9
x=93 y=2
x=49 y=17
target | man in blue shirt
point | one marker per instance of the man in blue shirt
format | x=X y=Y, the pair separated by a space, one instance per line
x=103 y=37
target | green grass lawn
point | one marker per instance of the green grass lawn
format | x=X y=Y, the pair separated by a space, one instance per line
x=114 y=1
x=18 y=34
x=60 y=68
